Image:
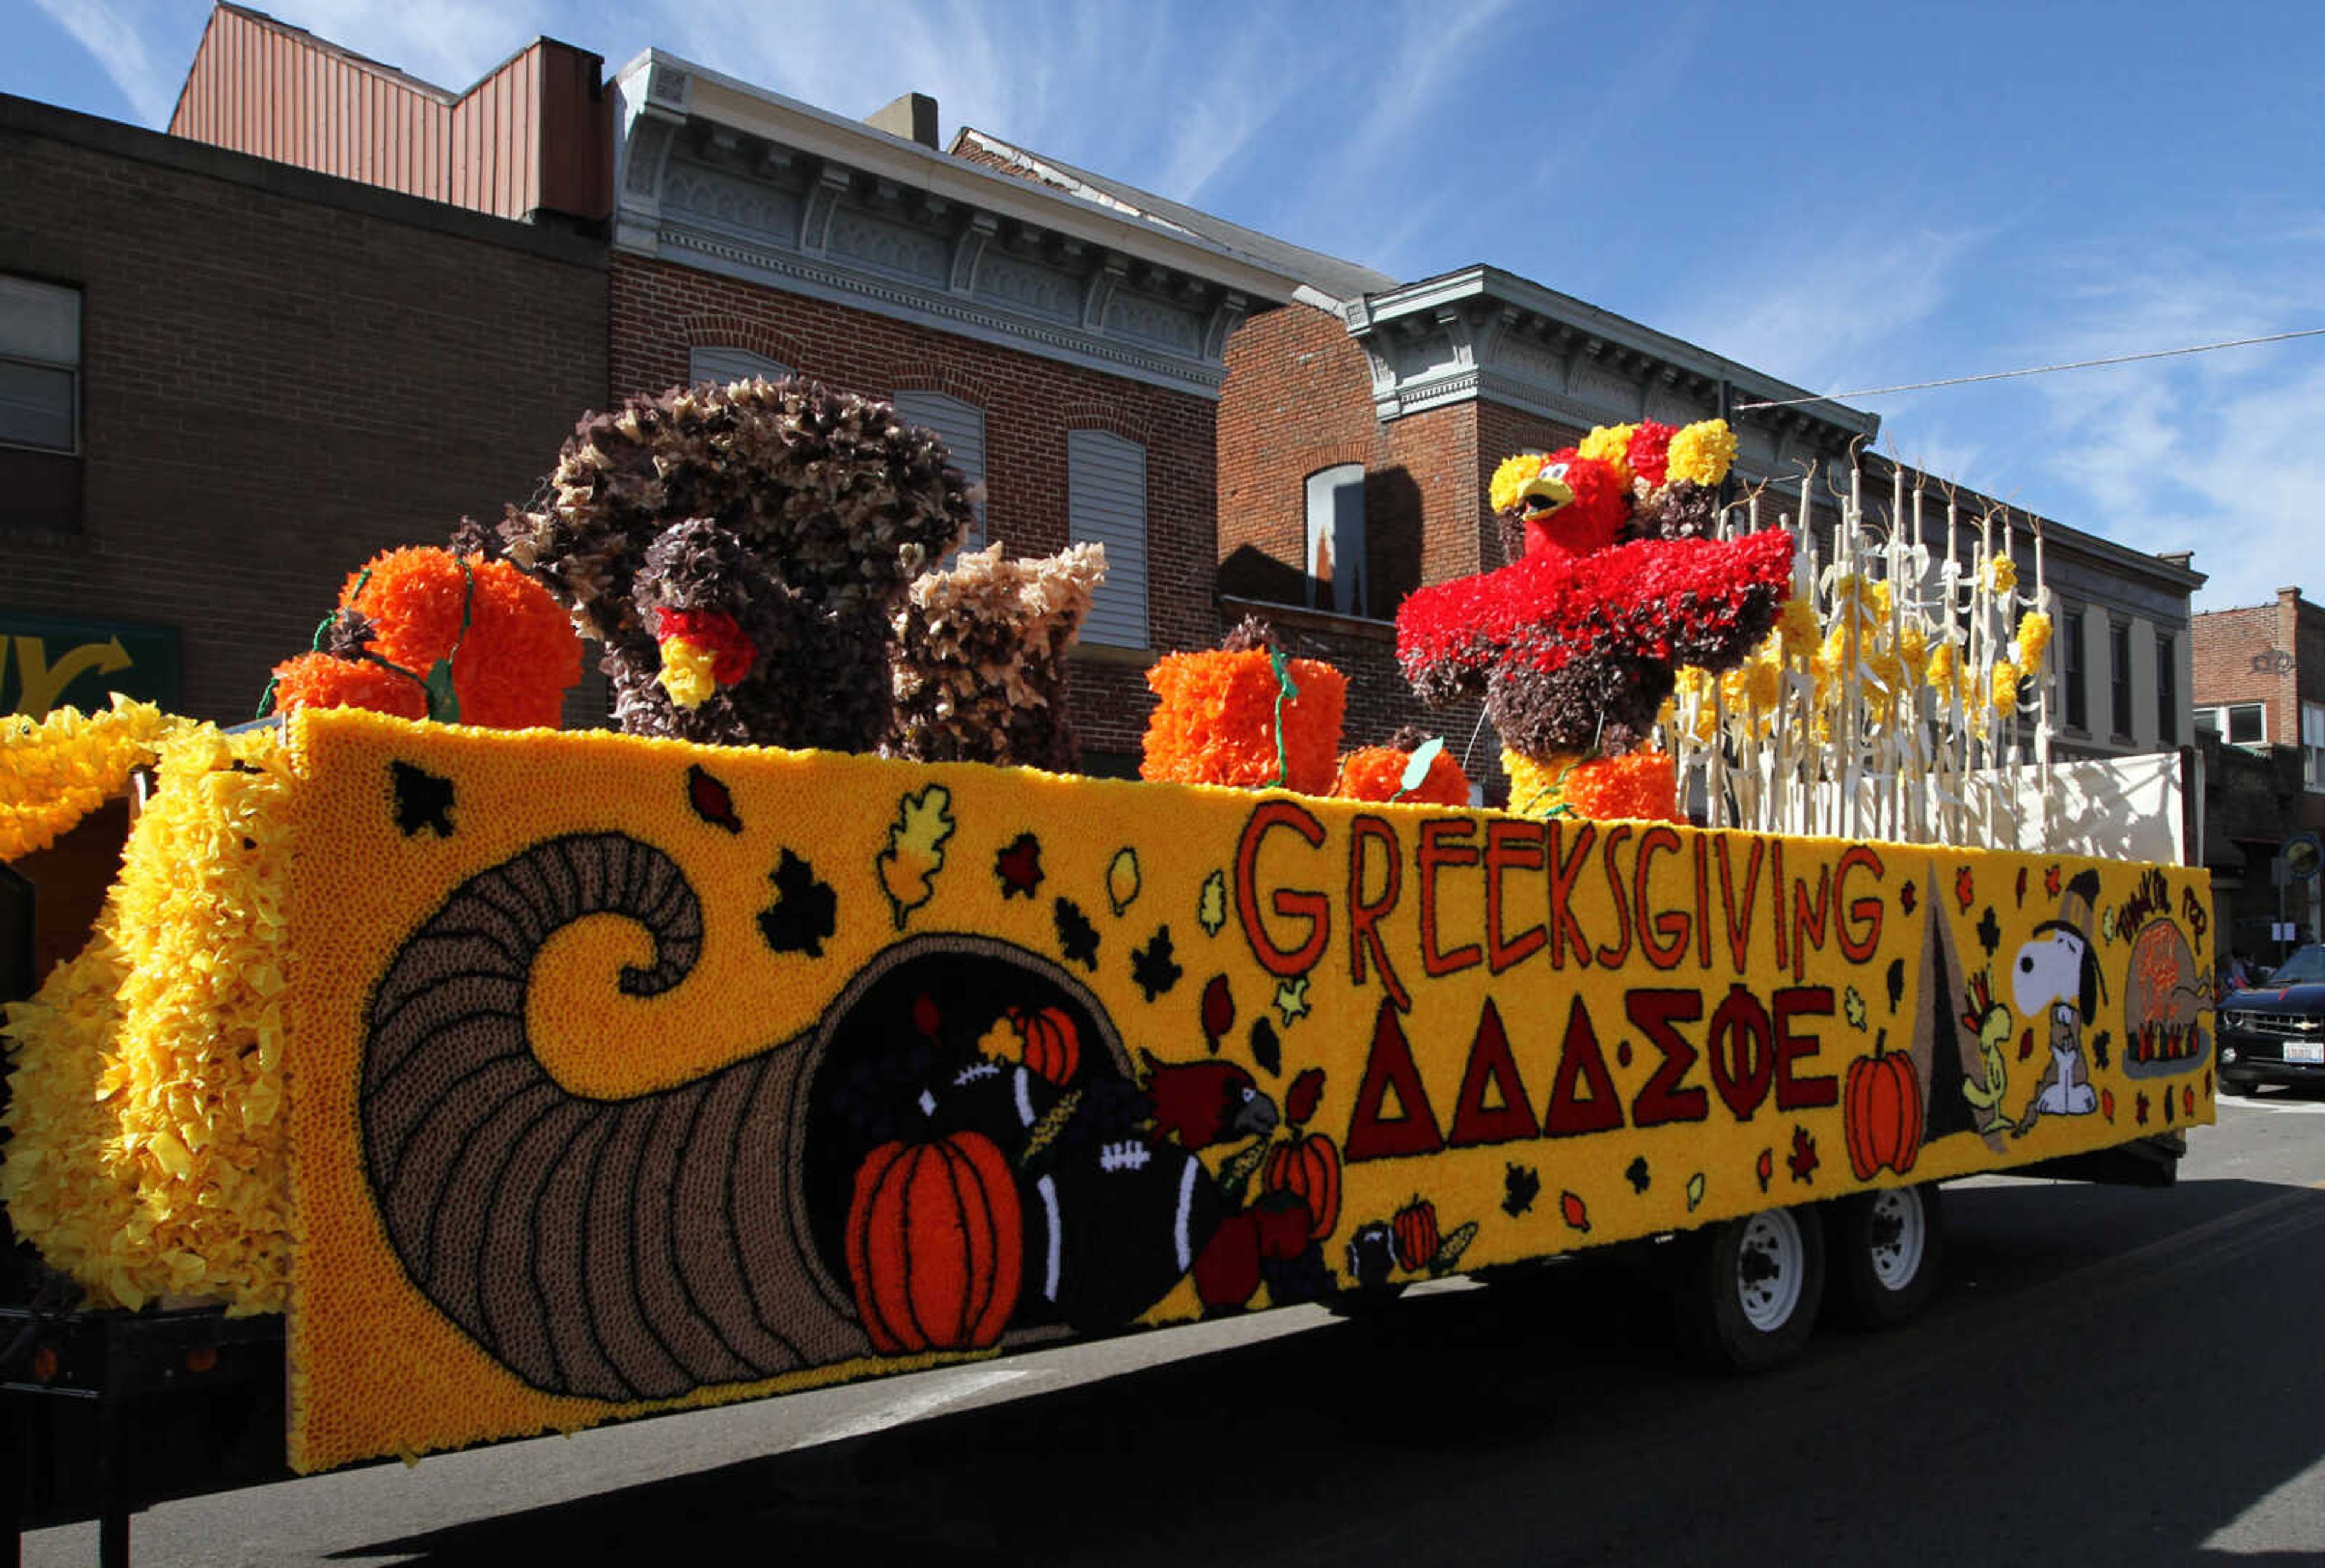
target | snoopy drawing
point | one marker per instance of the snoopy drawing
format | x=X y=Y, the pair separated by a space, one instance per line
x=2056 y=973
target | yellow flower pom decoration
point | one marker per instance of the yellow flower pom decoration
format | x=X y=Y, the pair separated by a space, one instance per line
x=2033 y=637
x=146 y=1146
x=1797 y=627
x=2001 y=575
x=1944 y=666
x=1702 y=452
x=685 y=672
x=2006 y=676
x=1611 y=445
x=1514 y=475
x=61 y=768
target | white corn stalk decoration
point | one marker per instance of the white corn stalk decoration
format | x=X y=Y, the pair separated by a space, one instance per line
x=1871 y=731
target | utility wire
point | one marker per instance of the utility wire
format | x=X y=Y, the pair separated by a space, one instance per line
x=2031 y=370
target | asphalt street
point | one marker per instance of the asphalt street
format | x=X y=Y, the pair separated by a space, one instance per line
x=2110 y=1375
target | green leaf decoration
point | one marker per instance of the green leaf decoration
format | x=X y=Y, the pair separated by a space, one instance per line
x=1417 y=766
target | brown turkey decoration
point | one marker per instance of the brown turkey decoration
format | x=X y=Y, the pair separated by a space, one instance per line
x=935 y=1245
x=1309 y=1167
x=1883 y=1112
x=1414 y=1230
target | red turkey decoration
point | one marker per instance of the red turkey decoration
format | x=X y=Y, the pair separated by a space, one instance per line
x=1415 y=1232
x=1310 y=1168
x=1882 y=1113
x=935 y=1245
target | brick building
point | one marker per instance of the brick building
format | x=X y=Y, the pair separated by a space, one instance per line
x=2259 y=688
x=232 y=381
x=1071 y=353
x=1247 y=425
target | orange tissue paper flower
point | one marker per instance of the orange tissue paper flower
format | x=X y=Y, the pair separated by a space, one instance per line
x=1376 y=772
x=1214 y=721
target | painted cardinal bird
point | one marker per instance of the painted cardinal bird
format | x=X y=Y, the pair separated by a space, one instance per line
x=1202 y=1103
x=1576 y=644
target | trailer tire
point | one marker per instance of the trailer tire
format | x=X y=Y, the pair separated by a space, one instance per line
x=1888 y=1250
x=1749 y=1289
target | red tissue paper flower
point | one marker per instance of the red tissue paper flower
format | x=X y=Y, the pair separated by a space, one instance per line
x=714 y=631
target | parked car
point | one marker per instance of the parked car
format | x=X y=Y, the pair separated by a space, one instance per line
x=2274 y=1032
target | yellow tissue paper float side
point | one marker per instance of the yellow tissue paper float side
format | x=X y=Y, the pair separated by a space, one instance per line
x=632 y=1075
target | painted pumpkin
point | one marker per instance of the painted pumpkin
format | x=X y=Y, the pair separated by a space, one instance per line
x=1882 y=1115
x=935 y=1244
x=1310 y=1168
x=1053 y=1046
x=1416 y=1229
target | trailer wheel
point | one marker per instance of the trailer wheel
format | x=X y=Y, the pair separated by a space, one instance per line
x=1888 y=1250
x=1750 y=1289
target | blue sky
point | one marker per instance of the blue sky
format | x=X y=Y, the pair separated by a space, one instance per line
x=1846 y=196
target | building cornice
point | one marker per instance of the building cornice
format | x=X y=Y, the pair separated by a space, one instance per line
x=1485 y=334
x=715 y=173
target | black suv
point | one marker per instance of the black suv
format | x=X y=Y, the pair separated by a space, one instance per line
x=2276 y=1033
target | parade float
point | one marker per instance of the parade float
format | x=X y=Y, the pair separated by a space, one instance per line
x=454 y=1079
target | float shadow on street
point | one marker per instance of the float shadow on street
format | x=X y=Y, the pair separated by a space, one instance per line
x=2110 y=1375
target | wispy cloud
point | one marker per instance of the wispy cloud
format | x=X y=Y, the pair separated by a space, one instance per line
x=1831 y=313
x=114 y=37
x=2214 y=452
x=1111 y=87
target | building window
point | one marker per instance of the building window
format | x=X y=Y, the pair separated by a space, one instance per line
x=1106 y=504
x=722 y=364
x=2071 y=673
x=1336 y=539
x=2312 y=745
x=961 y=427
x=2167 y=690
x=2240 y=723
x=40 y=404
x=2119 y=677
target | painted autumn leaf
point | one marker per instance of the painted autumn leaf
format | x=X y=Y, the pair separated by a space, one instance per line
x=1574 y=1211
x=1122 y=879
x=915 y=852
x=1694 y=1190
x=1292 y=999
x=1802 y=1161
x=711 y=799
x=1766 y=1169
x=1151 y=968
x=1211 y=910
x=1077 y=937
x=1852 y=1008
x=1217 y=1010
x=1018 y=866
x=805 y=910
x=1965 y=889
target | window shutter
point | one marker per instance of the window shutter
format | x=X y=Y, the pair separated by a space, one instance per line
x=724 y=364
x=1106 y=503
x=961 y=427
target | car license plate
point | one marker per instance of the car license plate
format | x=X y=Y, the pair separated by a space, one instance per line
x=2312 y=1051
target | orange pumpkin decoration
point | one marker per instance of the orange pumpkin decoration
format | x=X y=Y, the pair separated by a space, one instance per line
x=935 y=1245
x=1881 y=1114
x=1214 y=720
x=1308 y=1168
x=1053 y=1046
x=1415 y=1230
